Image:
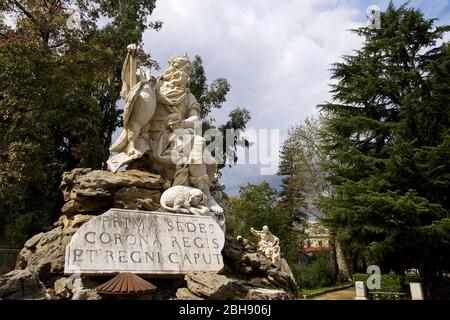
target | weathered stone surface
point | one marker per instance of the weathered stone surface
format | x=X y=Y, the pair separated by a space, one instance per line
x=34 y=240
x=246 y=244
x=86 y=294
x=210 y=285
x=241 y=260
x=21 y=284
x=135 y=198
x=51 y=295
x=286 y=269
x=94 y=192
x=45 y=254
x=255 y=263
x=69 y=179
x=186 y=294
x=282 y=280
x=145 y=243
x=253 y=270
x=61 y=289
x=100 y=181
x=261 y=282
x=267 y=294
x=72 y=207
x=89 y=191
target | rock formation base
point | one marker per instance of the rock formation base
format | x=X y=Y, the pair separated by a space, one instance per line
x=39 y=273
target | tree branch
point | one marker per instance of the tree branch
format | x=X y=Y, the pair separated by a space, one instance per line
x=24 y=10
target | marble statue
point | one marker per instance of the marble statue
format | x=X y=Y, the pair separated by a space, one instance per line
x=138 y=92
x=162 y=127
x=189 y=200
x=268 y=244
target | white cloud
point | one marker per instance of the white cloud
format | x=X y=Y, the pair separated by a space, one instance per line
x=276 y=55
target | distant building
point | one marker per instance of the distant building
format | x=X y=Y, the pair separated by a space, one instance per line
x=317 y=237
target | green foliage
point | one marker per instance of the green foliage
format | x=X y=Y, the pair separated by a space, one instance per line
x=258 y=205
x=239 y=118
x=213 y=96
x=301 y=165
x=392 y=283
x=59 y=90
x=387 y=138
x=412 y=278
x=49 y=124
x=316 y=274
x=58 y=95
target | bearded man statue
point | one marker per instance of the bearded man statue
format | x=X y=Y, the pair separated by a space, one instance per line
x=175 y=147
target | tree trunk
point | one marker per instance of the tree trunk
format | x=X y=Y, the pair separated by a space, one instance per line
x=343 y=262
x=333 y=257
x=2 y=221
x=107 y=144
x=106 y=151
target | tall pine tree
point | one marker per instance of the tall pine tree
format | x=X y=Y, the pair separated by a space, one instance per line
x=387 y=135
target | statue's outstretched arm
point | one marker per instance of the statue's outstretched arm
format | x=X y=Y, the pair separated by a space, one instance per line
x=129 y=70
x=255 y=232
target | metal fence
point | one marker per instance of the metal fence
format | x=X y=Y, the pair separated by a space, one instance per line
x=8 y=257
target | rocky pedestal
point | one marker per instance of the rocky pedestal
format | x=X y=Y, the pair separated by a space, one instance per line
x=89 y=191
x=21 y=284
x=44 y=253
x=245 y=273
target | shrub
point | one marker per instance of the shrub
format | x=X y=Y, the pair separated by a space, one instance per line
x=411 y=278
x=314 y=275
x=389 y=283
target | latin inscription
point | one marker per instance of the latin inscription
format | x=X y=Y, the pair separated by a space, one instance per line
x=142 y=242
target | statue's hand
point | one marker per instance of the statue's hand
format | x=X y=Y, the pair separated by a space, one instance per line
x=187 y=124
x=133 y=49
x=174 y=124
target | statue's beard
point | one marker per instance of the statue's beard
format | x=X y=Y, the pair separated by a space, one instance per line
x=176 y=79
x=173 y=89
x=179 y=83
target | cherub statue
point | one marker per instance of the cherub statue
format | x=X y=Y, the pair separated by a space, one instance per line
x=268 y=244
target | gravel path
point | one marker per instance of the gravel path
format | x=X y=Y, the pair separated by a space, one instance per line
x=345 y=294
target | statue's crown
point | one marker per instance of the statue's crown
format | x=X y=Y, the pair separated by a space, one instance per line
x=179 y=61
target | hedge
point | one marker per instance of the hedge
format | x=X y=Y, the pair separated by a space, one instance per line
x=389 y=283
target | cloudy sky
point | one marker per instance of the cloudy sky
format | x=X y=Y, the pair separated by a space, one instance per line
x=275 y=54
